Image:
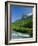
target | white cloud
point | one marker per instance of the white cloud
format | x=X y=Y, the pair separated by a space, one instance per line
x=29 y=14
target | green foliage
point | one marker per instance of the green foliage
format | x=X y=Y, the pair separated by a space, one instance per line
x=23 y=26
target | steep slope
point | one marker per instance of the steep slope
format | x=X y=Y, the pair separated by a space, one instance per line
x=24 y=25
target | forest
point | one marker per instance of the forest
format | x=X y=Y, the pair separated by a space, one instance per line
x=23 y=25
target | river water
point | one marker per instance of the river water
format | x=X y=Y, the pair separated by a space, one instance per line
x=18 y=35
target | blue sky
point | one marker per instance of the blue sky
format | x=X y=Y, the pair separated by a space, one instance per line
x=18 y=11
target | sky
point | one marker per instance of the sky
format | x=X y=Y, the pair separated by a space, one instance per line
x=18 y=11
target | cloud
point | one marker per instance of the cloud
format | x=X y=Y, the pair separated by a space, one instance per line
x=29 y=14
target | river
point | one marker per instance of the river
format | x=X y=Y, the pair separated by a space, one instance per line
x=18 y=35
